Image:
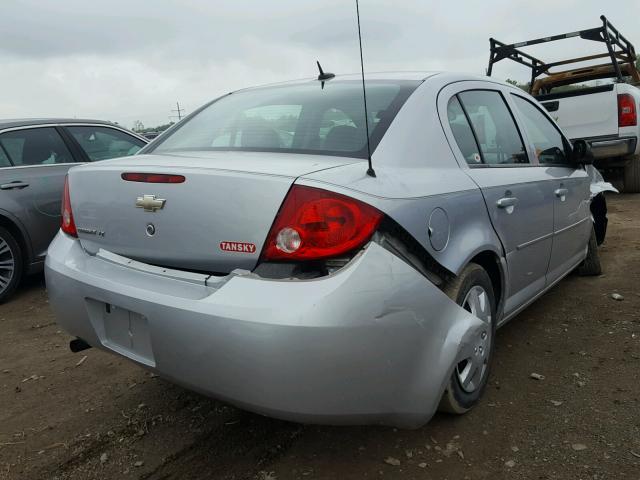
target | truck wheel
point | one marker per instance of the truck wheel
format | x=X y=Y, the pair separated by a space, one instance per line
x=473 y=291
x=591 y=264
x=632 y=175
x=10 y=264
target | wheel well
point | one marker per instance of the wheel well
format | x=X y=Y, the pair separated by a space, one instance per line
x=491 y=263
x=17 y=234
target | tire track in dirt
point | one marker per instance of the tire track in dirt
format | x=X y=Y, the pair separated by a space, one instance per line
x=237 y=450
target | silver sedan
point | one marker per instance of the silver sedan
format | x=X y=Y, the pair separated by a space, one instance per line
x=247 y=253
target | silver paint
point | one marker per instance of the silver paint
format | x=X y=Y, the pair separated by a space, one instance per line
x=374 y=342
x=378 y=348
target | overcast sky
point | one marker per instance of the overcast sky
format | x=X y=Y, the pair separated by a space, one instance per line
x=132 y=60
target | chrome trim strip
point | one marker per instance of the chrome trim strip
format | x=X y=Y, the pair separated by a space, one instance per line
x=76 y=124
x=12 y=167
x=535 y=240
x=544 y=237
x=572 y=225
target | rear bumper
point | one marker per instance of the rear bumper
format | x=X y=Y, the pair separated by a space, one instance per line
x=374 y=343
x=612 y=148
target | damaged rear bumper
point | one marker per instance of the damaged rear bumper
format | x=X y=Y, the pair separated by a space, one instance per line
x=374 y=343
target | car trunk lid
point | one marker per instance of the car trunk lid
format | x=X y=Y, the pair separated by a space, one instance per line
x=215 y=221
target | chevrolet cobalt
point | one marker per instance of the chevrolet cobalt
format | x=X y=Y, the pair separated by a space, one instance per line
x=251 y=254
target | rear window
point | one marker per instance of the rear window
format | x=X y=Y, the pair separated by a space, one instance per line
x=101 y=143
x=293 y=118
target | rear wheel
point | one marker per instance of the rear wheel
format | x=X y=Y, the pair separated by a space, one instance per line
x=473 y=291
x=632 y=175
x=591 y=264
x=10 y=264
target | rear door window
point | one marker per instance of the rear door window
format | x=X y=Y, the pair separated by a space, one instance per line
x=4 y=159
x=35 y=146
x=463 y=133
x=101 y=143
x=494 y=128
x=550 y=147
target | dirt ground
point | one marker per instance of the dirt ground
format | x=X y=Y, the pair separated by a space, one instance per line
x=93 y=415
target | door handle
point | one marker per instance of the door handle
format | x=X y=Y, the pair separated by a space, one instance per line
x=12 y=185
x=561 y=193
x=507 y=202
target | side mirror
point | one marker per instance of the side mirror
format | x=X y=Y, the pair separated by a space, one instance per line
x=581 y=153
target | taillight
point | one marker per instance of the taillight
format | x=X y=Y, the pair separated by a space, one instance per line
x=152 y=177
x=627 y=113
x=68 y=226
x=314 y=224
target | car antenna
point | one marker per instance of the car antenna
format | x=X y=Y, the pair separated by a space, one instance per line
x=324 y=76
x=370 y=171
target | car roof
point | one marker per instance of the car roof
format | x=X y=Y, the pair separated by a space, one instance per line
x=416 y=76
x=26 y=122
x=443 y=77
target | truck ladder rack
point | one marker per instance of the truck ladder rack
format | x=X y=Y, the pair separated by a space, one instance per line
x=622 y=61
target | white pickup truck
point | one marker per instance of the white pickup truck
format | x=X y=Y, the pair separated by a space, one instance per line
x=607 y=117
x=604 y=114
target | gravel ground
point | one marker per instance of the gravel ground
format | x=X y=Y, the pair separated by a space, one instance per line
x=93 y=415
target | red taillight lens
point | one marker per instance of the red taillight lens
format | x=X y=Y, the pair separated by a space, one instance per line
x=627 y=113
x=314 y=224
x=152 y=177
x=68 y=226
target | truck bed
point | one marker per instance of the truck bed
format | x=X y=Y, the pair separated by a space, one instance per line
x=592 y=114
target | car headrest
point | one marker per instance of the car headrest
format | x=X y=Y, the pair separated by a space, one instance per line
x=344 y=138
x=259 y=136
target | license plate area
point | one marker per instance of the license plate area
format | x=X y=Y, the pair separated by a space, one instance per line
x=123 y=331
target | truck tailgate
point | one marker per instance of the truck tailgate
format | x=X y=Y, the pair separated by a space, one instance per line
x=585 y=114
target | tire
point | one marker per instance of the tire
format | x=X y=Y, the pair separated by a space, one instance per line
x=632 y=175
x=600 y=220
x=591 y=264
x=457 y=398
x=11 y=265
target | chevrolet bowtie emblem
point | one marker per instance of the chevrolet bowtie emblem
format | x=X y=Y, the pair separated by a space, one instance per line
x=150 y=203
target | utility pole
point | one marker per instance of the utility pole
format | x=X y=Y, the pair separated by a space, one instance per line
x=178 y=110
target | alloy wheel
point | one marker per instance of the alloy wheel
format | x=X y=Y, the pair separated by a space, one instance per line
x=471 y=371
x=7 y=265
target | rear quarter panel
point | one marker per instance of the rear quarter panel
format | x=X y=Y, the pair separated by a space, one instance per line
x=417 y=173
